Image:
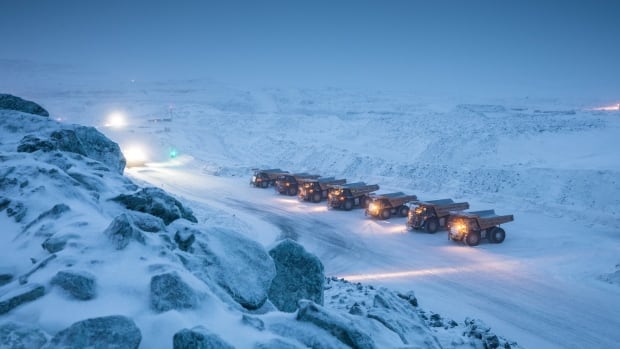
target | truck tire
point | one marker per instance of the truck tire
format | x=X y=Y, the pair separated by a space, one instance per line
x=365 y=201
x=316 y=197
x=497 y=235
x=264 y=184
x=473 y=238
x=348 y=205
x=404 y=211
x=386 y=213
x=292 y=191
x=432 y=225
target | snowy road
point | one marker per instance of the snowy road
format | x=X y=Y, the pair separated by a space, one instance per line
x=538 y=294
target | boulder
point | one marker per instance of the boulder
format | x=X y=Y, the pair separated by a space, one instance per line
x=276 y=344
x=157 y=203
x=16 y=336
x=240 y=266
x=122 y=231
x=77 y=284
x=336 y=324
x=198 y=338
x=57 y=243
x=253 y=321
x=67 y=140
x=5 y=278
x=30 y=144
x=169 y=291
x=184 y=238
x=147 y=222
x=118 y=332
x=299 y=275
x=11 y=102
x=99 y=147
x=53 y=213
x=20 y=295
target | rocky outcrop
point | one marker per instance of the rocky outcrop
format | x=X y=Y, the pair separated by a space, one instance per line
x=11 y=102
x=57 y=242
x=198 y=338
x=337 y=325
x=156 y=202
x=20 y=295
x=16 y=336
x=299 y=275
x=80 y=285
x=241 y=267
x=276 y=344
x=122 y=231
x=169 y=291
x=478 y=330
x=116 y=331
x=184 y=238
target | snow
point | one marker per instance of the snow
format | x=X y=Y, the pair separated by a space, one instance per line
x=553 y=164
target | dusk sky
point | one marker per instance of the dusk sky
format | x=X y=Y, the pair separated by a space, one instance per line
x=565 y=48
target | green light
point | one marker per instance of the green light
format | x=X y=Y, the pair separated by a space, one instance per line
x=173 y=153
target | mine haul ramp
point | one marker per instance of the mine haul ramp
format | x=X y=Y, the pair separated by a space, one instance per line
x=434 y=214
x=316 y=190
x=385 y=205
x=347 y=196
x=471 y=227
x=289 y=183
x=264 y=178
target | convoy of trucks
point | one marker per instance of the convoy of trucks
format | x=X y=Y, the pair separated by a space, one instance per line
x=468 y=227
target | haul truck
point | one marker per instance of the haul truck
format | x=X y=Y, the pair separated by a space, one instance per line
x=288 y=183
x=347 y=196
x=432 y=215
x=316 y=190
x=385 y=205
x=265 y=178
x=471 y=227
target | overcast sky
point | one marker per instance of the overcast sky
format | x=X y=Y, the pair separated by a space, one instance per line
x=541 y=47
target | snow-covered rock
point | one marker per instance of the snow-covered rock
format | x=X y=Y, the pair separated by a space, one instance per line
x=169 y=291
x=80 y=285
x=156 y=202
x=299 y=275
x=14 y=296
x=11 y=102
x=198 y=338
x=114 y=331
x=122 y=231
x=16 y=336
x=241 y=267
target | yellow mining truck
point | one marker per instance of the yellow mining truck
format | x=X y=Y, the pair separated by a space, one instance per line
x=347 y=196
x=265 y=178
x=288 y=183
x=385 y=205
x=471 y=227
x=316 y=190
x=432 y=215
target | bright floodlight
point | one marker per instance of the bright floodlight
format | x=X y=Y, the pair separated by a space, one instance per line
x=135 y=156
x=116 y=120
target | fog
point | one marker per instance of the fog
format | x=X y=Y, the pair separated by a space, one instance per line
x=456 y=48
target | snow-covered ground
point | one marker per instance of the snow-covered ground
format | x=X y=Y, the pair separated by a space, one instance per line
x=553 y=164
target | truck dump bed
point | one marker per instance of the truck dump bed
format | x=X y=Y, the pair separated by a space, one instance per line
x=444 y=206
x=395 y=199
x=486 y=219
x=358 y=188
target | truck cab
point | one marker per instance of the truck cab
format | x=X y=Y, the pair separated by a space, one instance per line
x=265 y=178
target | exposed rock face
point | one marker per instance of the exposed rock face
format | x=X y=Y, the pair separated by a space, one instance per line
x=169 y=291
x=86 y=141
x=147 y=222
x=299 y=275
x=78 y=284
x=15 y=336
x=334 y=323
x=240 y=266
x=122 y=231
x=57 y=242
x=15 y=103
x=116 y=331
x=20 y=295
x=158 y=203
x=198 y=338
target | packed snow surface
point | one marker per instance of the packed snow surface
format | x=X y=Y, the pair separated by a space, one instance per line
x=553 y=164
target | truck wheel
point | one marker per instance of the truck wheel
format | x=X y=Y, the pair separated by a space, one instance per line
x=316 y=197
x=404 y=211
x=432 y=224
x=473 y=238
x=348 y=205
x=497 y=235
x=365 y=201
x=386 y=214
x=264 y=184
x=292 y=191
